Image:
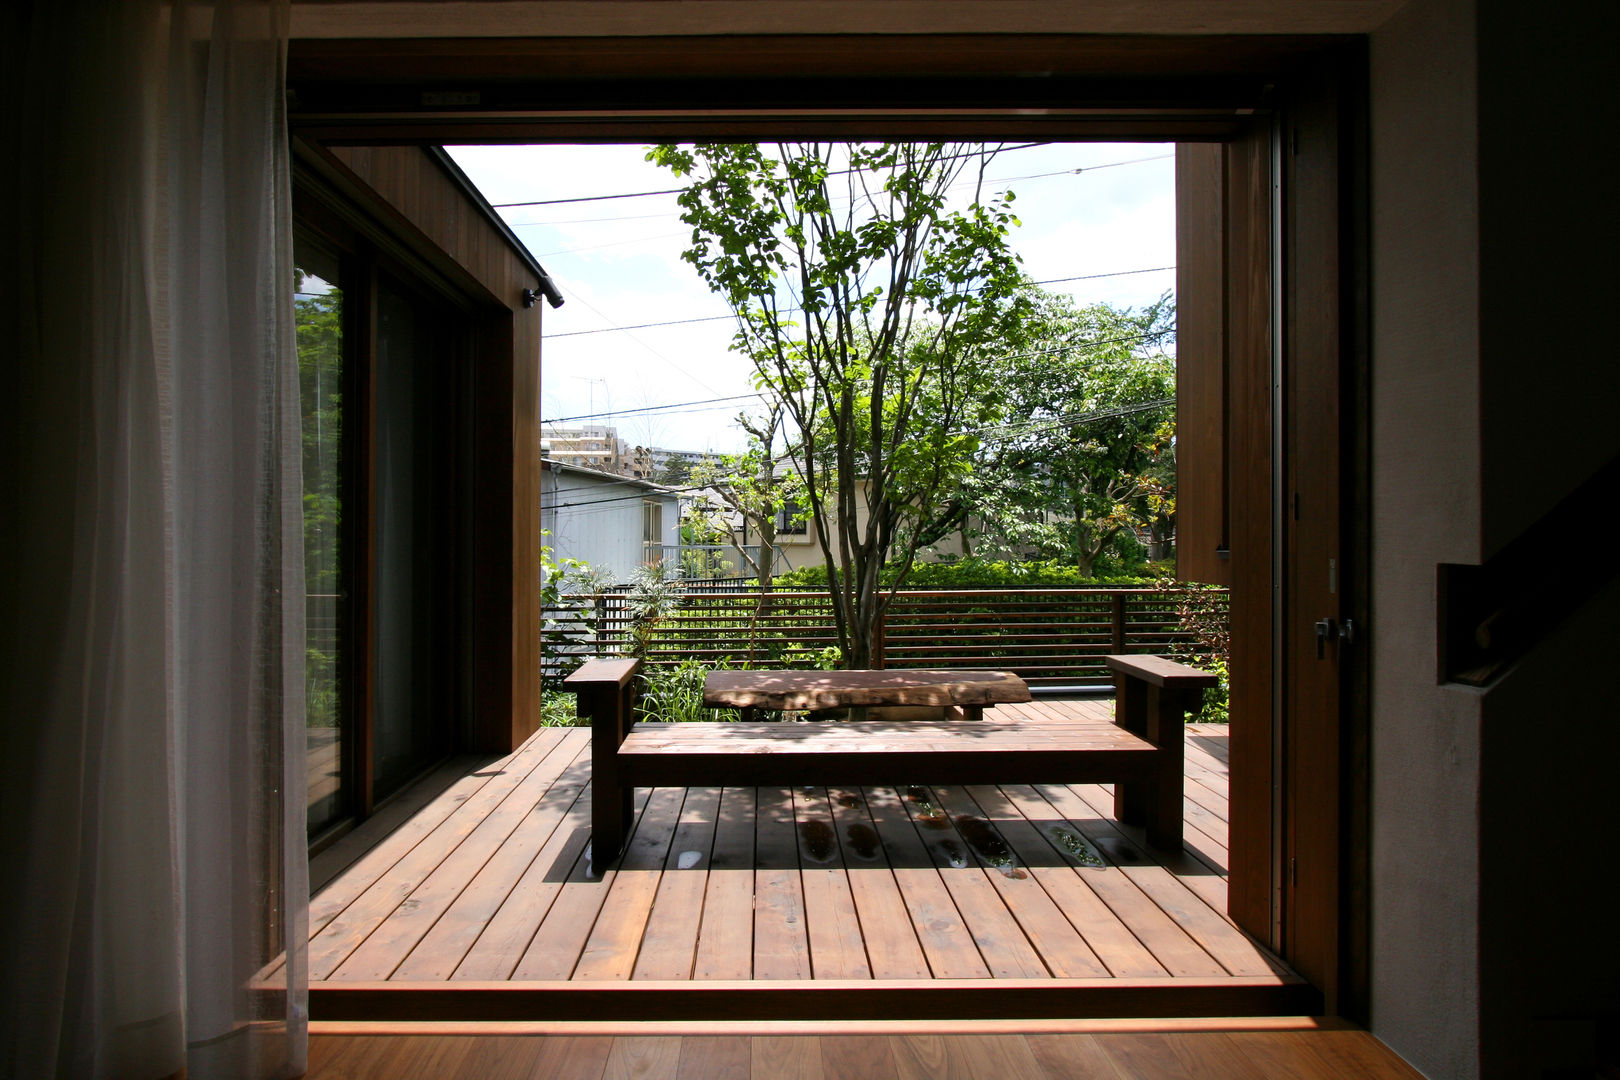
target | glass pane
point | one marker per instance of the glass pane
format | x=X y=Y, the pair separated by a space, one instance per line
x=415 y=645
x=318 y=304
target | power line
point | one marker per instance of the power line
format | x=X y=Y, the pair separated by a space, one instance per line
x=959 y=183
x=648 y=347
x=652 y=408
x=709 y=404
x=721 y=318
x=677 y=191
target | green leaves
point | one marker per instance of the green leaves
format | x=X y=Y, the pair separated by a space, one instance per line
x=870 y=307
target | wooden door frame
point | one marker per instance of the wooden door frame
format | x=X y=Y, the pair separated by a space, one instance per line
x=1087 y=88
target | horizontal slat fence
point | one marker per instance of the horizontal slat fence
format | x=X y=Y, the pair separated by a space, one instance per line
x=1049 y=636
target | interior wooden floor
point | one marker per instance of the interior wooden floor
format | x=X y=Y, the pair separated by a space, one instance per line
x=1308 y=1054
x=783 y=903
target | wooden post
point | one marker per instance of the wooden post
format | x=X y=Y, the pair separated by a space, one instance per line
x=878 y=660
x=606 y=693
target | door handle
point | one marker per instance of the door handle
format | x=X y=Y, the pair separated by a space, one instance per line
x=1325 y=629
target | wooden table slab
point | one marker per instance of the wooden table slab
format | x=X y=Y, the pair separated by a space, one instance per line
x=807 y=690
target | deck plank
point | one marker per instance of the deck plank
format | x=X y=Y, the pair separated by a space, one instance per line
x=836 y=931
x=781 y=944
x=443 y=948
x=492 y=880
x=506 y=937
x=610 y=950
x=1055 y=939
x=386 y=947
x=1001 y=941
x=463 y=801
x=344 y=933
x=557 y=944
x=669 y=946
x=1201 y=871
x=891 y=939
x=1173 y=947
x=1113 y=942
x=947 y=944
x=725 y=948
x=891 y=931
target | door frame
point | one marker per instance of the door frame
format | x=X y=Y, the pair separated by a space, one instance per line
x=1288 y=93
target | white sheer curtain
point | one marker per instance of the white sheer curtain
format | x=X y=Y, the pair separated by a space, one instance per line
x=152 y=786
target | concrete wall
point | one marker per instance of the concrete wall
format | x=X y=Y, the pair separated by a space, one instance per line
x=1426 y=479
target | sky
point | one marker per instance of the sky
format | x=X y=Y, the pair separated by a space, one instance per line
x=618 y=264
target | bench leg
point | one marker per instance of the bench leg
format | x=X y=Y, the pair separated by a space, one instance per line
x=1131 y=797
x=1167 y=731
x=1153 y=714
x=612 y=801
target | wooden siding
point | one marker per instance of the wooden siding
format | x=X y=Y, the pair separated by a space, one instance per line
x=451 y=232
x=1201 y=443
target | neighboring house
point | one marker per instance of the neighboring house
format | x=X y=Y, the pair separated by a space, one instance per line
x=797 y=545
x=614 y=523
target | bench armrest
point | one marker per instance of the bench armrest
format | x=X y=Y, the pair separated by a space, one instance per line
x=1161 y=671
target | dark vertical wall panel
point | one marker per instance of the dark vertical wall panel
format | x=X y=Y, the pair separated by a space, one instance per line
x=1249 y=426
x=1313 y=582
x=1201 y=465
x=1548 y=233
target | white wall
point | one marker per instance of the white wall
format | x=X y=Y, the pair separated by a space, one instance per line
x=599 y=521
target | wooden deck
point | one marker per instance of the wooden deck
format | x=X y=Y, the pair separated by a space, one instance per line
x=781 y=903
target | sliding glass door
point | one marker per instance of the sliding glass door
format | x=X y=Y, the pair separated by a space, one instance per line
x=318 y=305
x=415 y=508
x=381 y=387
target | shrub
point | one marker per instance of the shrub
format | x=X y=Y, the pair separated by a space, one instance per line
x=569 y=616
x=559 y=709
x=674 y=695
x=1204 y=614
x=973 y=573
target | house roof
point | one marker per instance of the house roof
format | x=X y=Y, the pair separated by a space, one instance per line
x=548 y=288
x=551 y=465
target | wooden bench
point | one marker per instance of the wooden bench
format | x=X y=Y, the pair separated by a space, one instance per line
x=1141 y=755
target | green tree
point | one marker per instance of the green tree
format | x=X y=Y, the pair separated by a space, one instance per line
x=318 y=320
x=756 y=485
x=1088 y=454
x=868 y=307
